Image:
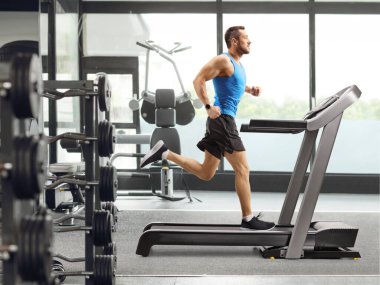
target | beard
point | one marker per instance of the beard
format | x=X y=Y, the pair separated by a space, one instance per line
x=243 y=50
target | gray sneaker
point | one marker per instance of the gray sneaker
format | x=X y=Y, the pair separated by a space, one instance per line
x=154 y=154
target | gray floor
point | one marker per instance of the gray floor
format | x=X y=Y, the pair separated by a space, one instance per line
x=214 y=201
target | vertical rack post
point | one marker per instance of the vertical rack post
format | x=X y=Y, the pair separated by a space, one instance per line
x=89 y=155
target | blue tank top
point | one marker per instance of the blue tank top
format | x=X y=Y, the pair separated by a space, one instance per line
x=228 y=90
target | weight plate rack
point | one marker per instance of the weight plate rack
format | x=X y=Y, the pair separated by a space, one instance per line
x=99 y=183
x=26 y=227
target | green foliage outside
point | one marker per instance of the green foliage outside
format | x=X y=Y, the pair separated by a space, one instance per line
x=264 y=108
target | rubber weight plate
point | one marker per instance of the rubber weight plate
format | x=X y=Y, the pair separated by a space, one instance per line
x=110 y=249
x=108 y=184
x=22 y=173
x=45 y=240
x=29 y=174
x=101 y=139
x=104 y=270
x=111 y=207
x=106 y=139
x=102 y=227
x=34 y=255
x=26 y=79
x=104 y=93
x=111 y=138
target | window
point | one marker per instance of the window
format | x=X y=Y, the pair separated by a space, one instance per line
x=347 y=52
x=279 y=63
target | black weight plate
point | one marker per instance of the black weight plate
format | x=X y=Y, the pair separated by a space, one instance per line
x=41 y=274
x=104 y=93
x=97 y=270
x=26 y=77
x=103 y=229
x=103 y=139
x=114 y=183
x=111 y=139
x=107 y=183
x=17 y=181
x=22 y=175
x=24 y=252
x=99 y=228
x=101 y=150
x=18 y=85
x=27 y=162
x=23 y=241
x=110 y=249
x=109 y=227
x=111 y=184
x=38 y=163
x=104 y=270
x=110 y=267
x=27 y=170
x=95 y=226
x=30 y=270
x=103 y=182
x=108 y=94
x=108 y=144
x=45 y=242
x=111 y=207
x=35 y=249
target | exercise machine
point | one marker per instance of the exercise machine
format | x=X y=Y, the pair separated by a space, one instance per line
x=165 y=109
x=304 y=239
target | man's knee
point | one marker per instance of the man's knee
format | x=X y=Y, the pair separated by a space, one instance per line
x=242 y=170
x=207 y=175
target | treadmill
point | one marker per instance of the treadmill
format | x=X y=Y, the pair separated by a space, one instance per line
x=304 y=239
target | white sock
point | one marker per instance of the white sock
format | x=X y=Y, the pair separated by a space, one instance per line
x=248 y=218
x=165 y=154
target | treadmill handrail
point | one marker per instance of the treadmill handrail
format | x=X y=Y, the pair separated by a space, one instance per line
x=274 y=126
x=315 y=119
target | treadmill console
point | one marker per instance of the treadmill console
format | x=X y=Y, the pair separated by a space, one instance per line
x=321 y=106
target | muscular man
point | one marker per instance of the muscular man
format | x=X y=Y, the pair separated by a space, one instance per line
x=222 y=137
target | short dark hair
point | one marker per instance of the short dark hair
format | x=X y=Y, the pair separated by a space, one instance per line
x=232 y=33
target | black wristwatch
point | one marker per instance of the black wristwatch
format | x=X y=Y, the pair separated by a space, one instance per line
x=207 y=106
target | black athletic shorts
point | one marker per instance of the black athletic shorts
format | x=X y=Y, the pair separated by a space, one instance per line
x=221 y=135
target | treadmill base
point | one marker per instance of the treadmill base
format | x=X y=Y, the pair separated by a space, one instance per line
x=313 y=253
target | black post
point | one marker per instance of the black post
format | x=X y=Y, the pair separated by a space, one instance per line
x=52 y=70
x=88 y=153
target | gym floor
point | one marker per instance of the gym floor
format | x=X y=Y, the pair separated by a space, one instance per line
x=218 y=200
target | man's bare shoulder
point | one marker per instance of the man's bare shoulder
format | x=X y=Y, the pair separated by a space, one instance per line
x=224 y=64
x=222 y=59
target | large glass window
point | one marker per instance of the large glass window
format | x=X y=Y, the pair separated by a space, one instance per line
x=279 y=63
x=67 y=69
x=347 y=52
x=117 y=34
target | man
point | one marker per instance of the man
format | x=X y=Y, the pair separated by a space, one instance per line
x=222 y=137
